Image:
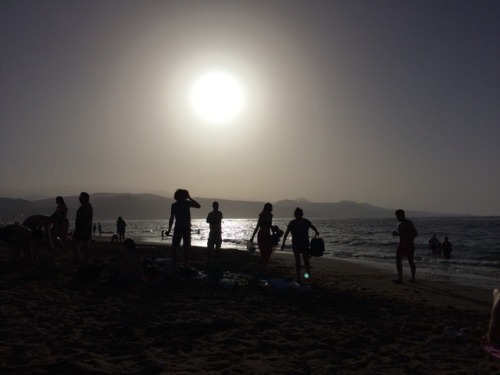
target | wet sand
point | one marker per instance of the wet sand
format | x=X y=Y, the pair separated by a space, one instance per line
x=348 y=319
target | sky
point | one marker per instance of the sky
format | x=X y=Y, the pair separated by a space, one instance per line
x=392 y=103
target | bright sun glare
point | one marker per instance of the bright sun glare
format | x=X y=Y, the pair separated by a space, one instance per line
x=217 y=97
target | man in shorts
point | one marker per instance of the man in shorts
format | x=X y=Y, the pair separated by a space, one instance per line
x=214 y=219
x=406 y=248
x=299 y=227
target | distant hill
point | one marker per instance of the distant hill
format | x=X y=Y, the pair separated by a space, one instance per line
x=108 y=206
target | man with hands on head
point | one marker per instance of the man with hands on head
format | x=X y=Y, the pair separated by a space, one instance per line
x=180 y=211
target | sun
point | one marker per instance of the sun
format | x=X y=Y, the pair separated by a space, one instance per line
x=217 y=97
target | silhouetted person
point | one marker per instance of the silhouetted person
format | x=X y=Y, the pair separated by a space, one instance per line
x=214 y=219
x=94 y=229
x=434 y=244
x=447 y=248
x=99 y=228
x=181 y=212
x=299 y=227
x=406 y=248
x=264 y=240
x=61 y=222
x=120 y=229
x=83 y=228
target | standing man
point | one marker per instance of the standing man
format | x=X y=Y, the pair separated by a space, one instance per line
x=120 y=229
x=434 y=244
x=83 y=228
x=214 y=219
x=447 y=247
x=406 y=248
x=180 y=210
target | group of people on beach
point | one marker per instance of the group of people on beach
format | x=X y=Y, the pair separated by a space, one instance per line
x=26 y=237
x=54 y=229
x=268 y=235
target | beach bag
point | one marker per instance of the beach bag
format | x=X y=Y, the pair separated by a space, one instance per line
x=277 y=234
x=317 y=247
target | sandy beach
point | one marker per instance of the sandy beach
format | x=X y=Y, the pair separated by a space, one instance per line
x=348 y=319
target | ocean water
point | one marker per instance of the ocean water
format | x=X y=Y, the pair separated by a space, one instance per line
x=475 y=259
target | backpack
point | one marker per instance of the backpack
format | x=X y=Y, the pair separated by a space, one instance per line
x=317 y=247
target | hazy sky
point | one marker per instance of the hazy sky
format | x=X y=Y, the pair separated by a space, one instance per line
x=393 y=103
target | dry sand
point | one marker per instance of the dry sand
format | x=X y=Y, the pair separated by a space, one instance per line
x=350 y=320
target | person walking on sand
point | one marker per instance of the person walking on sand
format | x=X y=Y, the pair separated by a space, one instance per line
x=406 y=248
x=214 y=219
x=120 y=229
x=83 y=228
x=299 y=227
x=181 y=212
x=264 y=239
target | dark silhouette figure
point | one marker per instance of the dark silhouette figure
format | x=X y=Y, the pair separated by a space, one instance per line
x=99 y=228
x=447 y=248
x=180 y=211
x=214 y=219
x=83 y=228
x=120 y=229
x=264 y=239
x=94 y=229
x=434 y=244
x=406 y=248
x=299 y=227
x=61 y=223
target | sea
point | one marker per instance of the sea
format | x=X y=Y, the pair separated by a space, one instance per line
x=475 y=260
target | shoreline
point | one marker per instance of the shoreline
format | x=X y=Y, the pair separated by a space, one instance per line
x=375 y=275
x=352 y=320
x=424 y=271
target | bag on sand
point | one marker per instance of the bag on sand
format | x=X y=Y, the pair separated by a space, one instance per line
x=317 y=247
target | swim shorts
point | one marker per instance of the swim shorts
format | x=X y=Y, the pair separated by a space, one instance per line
x=405 y=250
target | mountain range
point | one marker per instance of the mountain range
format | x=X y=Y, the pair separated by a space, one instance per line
x=108 y=206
